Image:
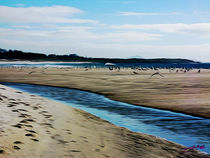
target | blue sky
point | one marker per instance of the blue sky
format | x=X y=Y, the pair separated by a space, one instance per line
x=108 y=28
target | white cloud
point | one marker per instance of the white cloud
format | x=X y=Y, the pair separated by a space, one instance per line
x=145 y=14
x=193 y=29
x=201 y=14
x=76 y=34
x=130 y=36
x=23 y=26
x=53 y=14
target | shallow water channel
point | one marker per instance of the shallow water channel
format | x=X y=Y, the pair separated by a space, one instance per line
x=180 y=128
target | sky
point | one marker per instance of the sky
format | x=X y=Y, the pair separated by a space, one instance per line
x=108 y=28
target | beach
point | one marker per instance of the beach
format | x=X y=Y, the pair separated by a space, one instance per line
x=32 y=126
x=105 y=79
x=182 y=92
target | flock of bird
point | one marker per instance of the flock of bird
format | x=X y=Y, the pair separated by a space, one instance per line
x=136 y=69
x=111 y=67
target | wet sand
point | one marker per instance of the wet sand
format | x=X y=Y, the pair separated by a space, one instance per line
x=180 y=92
x=34 y=127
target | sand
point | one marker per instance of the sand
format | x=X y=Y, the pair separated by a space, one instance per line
x=34 y=127
x=180 y=92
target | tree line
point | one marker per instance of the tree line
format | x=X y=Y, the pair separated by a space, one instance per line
x=20 y=55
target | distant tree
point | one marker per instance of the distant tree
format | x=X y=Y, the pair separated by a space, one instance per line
x=73 y=55
x=51 y=55
x=3 y=50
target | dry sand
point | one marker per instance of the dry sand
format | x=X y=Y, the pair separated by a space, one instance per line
x=180 y=92
x=34 y=127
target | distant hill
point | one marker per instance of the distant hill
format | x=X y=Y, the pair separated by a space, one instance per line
x=20 y=55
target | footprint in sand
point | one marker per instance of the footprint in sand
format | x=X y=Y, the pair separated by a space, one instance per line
x=1 y=130
x=29 y=135
x=43 y=112
x=16 y=147
x=12 y=102
x=14 y=110
x=35 y=108
x=2 y=151
x=48 y=132
x=51 y=120
x=24 y=115
x=24 y=121
x=19 y=92
x=30 y=120
x=62 y=141
x=68 y=131
x=47 y=125
x=83 y=137
x=35 y=140
x=28 y=125
x=31 y=131
x=27 y=121
x=47 y=116
x=106 y=155
x=58 y=138
x=18 y=142
x=22 y=110
x=25 y=104
x=18 y=125
x=75 y=151
x=11 y=105
x=4 y=96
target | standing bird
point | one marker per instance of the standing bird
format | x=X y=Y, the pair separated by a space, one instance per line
x=31 y=72
x=134 y=72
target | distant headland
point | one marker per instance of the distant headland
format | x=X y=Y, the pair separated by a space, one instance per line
x=12 y=55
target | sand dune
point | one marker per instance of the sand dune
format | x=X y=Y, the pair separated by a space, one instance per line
x=34 y=127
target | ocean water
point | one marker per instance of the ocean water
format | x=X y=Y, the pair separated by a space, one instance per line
x=180 y=128
x=100 y=65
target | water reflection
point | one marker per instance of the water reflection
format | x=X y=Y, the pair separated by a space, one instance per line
x=180 y=128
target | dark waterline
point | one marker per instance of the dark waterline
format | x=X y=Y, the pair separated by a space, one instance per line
x=180 y=128
x=102 y=65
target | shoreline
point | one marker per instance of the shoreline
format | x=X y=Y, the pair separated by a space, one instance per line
x=37 y=127
x=190 y=99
